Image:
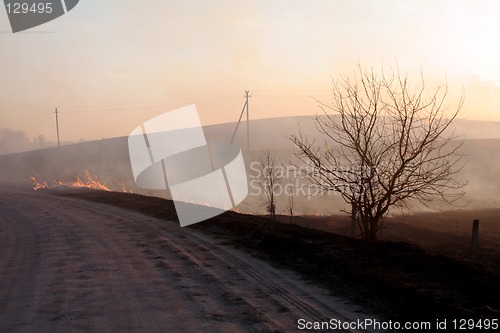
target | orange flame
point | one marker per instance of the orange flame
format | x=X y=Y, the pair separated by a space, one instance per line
x=37 y=185
x=200 y=203
x=314 y=214
x=239 y=211
x=88 y=182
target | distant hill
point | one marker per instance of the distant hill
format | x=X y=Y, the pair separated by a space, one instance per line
x=109 y=160
x=274 y=132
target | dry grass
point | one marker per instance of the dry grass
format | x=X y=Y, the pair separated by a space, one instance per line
x=444 y=233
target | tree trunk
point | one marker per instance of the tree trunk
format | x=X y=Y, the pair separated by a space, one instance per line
x=370 y=228
x=372 y=233
x=354 y=220
x=366 y=230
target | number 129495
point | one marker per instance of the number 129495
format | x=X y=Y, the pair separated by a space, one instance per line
x=25 y=8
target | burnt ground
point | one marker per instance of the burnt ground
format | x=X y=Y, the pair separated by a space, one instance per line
x=399 y=280
x=446 y=233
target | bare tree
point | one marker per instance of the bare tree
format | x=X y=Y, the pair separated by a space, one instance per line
x=385 y=144
x=268 y=177
x=290 y=205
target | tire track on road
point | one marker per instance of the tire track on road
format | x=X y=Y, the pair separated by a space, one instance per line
x=103 y=268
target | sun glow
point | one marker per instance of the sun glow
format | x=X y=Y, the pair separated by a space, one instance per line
x=470 y=41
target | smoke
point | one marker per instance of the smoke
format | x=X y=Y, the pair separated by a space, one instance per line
x=108 y=160
x=12 y=141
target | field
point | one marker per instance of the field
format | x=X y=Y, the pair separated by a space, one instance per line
x=446 y=233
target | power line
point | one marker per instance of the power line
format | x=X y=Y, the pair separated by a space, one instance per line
x=144 y=104
x=151 y=106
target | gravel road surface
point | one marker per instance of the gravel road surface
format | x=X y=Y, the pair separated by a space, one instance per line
x=68 y=265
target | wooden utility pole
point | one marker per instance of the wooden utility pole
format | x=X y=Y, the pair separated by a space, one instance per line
x=57 y=128
x=245 y=109
x=248 y=120
x=475 y=238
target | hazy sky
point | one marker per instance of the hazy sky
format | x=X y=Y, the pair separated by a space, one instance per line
x=110 y=65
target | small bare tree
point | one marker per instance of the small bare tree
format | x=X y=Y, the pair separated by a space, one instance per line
x=268 y=178
x=290 y=205
x=385 y=144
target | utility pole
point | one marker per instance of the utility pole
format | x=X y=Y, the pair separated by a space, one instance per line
x=57 y=128
x=248 y=120
x=245 y=108
x=475 y=236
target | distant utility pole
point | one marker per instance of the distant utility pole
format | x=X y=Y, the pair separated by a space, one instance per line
x=245 y=108
x=248 y=120
x=475 y=236
x=57 y=128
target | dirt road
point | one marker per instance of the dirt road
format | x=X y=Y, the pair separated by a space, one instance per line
x=68 y=265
